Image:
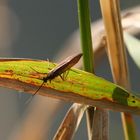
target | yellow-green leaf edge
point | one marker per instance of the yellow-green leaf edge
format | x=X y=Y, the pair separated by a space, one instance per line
x=77 y=81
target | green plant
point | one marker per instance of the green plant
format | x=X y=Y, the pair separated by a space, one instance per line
x=77 y=86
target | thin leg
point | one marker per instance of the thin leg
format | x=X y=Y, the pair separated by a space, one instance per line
x=52 y=63
x=34 y=70
x=37 y=71
x=48 y=61
x=74 y=71
x=61 y=77
x=66 y=74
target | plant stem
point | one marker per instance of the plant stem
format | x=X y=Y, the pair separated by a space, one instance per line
x=86 y=44
x=117 y=56
x=85 y=33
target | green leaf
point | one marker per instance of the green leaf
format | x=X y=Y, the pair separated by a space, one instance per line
x=133 y=46
x=79 y=86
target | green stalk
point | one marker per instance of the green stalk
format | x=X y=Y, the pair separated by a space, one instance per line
x=85 y=33
x=86 y=44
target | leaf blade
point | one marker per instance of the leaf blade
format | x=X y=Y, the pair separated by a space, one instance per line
x=79 y=86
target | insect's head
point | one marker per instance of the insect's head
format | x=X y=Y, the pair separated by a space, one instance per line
x=45 y=79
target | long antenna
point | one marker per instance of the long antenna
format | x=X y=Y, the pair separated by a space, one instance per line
x=34 y=93
x=38 y=89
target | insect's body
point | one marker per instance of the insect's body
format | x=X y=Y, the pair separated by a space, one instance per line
x=61 y=68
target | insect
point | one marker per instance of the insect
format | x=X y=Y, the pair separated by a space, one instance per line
x=60 y=69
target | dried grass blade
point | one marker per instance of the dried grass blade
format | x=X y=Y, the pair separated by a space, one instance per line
x=117 y=55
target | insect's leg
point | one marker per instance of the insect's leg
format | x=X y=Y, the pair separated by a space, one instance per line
x=74 y=71
x=61 y=77
x=48 y=64
x=64 y=75
x=35 y=70
x=48 y=61
x=40 y=72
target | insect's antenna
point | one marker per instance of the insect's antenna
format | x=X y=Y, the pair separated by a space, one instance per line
x=38 y=89
x=28 y=101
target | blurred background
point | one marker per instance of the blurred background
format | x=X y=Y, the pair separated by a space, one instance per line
x=41 y=30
